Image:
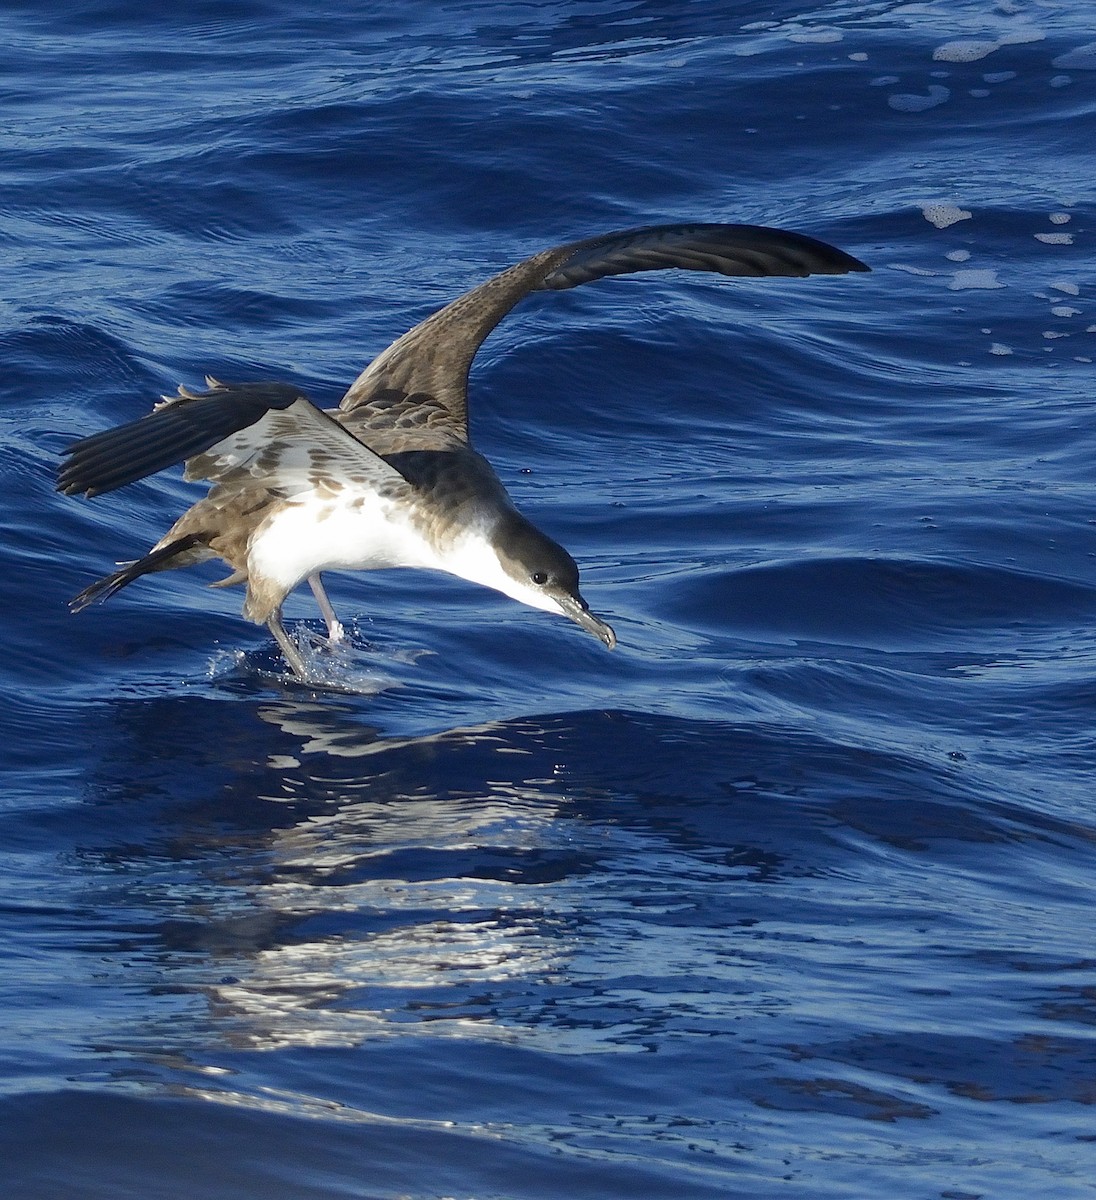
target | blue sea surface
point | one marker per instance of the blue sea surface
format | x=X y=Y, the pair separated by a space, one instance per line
x=792 y=894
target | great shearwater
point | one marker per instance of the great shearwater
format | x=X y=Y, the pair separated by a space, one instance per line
x=389 y=478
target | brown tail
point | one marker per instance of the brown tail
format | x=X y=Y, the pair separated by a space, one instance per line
x=158 y=560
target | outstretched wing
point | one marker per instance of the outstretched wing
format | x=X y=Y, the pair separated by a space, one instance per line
x=417 y=389
x=269 y=432
x=414 y=395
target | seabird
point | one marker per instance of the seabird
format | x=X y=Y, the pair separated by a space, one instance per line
x=389 y=478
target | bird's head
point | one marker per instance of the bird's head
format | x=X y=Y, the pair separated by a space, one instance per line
x=528 y=566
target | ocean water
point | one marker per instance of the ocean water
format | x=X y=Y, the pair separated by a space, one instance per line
x=789 y=896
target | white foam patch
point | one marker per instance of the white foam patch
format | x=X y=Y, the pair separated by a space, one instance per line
x=1000 y=348
x=1064 y=310
x=1067 y=286
x=1081 y=58
x=819 y=37
x=1060 y=218
x=943 y=215
x=1050 y=334
x=1055 y=239
x=1060 y=81
x=1021 y=36
x=982 y=280
x=859 y=56
x=911 y=102
x=958 y=255
x=964 y=50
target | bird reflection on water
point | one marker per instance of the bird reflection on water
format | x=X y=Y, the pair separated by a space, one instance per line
x=327 y=894
x=403 y=905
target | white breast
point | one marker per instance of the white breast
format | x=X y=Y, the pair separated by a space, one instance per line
x=349 y=533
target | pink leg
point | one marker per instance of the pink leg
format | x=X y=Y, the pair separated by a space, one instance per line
x=334 y=627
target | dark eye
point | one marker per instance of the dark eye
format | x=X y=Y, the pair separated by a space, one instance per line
x=539 y=578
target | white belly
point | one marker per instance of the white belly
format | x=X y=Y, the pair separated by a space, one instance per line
x=354 y=534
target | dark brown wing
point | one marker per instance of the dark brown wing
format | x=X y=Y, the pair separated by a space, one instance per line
x=176 y=429
x=270 y=431
x=723 y=249
x=418 y=388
